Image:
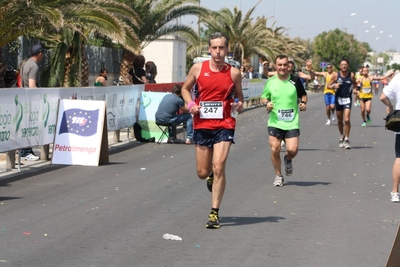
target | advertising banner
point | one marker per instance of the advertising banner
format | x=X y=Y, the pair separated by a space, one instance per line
x=149 y=102
x=79 y=132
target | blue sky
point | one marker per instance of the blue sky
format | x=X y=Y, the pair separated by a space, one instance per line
x=308 y=18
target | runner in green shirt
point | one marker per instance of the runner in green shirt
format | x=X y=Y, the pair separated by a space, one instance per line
x=283 y=96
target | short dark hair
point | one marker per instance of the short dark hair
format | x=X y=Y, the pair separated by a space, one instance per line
x=217 y=35
x=344 y=59
x=281 y=57
x=102 y=70
x=177 y=89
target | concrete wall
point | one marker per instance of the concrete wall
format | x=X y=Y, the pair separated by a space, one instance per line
x=169 y=54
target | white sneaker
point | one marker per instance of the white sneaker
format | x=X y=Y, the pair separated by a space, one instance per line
x=328 y=122
x=395 y=197
x=31 y=157
x=278 y=180
x=333 y=117
x=347 y=144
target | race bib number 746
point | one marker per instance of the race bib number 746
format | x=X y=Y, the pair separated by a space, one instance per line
x=211 y=110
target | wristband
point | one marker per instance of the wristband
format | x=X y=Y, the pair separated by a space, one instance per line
x=191 y=104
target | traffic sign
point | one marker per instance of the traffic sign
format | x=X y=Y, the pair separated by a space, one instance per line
x=322 y=65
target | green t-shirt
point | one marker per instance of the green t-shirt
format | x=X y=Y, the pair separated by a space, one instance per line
x=284 y=95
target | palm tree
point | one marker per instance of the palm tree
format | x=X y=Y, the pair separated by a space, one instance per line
x=103 y=17
x=64 y=25
x=248 y=37
x=244 y=35
x=160 y=18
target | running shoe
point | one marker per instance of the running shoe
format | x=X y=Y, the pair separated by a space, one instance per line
x=347 y=144
x=333 y=117
x=288 y=166
x=368 y=120
x=210 y=180
x=357 y=103
x=213 y=220
x=328 y=122
x=364 y=124
x=279 y=180
x=395 y=197
x=341 y=142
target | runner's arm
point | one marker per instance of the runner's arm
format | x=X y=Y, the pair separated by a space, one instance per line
x=188 y=85
x=238 y=93
x=331 y=84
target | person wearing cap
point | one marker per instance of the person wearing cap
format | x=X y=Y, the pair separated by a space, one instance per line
x=31 y=79
x=329 y=94
x=30 y=69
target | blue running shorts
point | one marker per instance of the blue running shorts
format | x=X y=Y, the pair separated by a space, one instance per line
x=208 y=138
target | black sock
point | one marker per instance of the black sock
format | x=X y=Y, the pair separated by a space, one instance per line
x=215 y=209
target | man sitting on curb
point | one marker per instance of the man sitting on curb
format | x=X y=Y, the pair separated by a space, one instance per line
x=167 y=114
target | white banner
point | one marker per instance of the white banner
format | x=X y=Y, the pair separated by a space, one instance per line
x=28 y=116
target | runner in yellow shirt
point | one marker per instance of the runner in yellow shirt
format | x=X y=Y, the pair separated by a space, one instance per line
x=329 y=94
x=364 y=85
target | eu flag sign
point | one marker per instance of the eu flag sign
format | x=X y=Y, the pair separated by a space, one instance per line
x=80 y=122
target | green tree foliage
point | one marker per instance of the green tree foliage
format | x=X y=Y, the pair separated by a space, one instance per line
x=395 y=66
x=249 y=37
x=334 y=45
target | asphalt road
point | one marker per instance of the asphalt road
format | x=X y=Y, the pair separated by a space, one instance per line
x=334 y=210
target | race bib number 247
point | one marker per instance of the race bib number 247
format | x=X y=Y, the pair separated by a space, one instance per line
x=211 y=110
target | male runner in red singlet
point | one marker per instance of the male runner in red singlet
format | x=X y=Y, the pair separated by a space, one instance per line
x=217 y=84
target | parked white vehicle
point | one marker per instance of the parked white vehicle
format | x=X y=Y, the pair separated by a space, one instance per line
x=227 y=60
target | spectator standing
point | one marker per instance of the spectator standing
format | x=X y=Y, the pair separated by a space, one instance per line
x=137 y=72
x=265 y=74
x=253 y=74
x=243 y=72
x=151 y=71
x=316 y=84
x=392 y=91
x=31 y=79
x=102 y=78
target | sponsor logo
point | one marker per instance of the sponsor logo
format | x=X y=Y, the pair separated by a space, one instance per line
x=80 y=122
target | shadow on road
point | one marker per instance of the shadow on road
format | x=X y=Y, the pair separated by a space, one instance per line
x=235 y=221
x=9 y=198
x=306 y=183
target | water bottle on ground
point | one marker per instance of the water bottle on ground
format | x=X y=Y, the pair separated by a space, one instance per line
x=234 y=106
x=172 y=237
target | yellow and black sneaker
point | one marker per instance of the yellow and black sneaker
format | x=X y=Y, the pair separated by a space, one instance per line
x=213 y=220
x=210 y=180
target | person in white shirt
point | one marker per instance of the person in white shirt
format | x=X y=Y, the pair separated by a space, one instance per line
x=392 y=91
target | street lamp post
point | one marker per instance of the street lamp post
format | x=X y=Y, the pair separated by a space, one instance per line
x=351 y=15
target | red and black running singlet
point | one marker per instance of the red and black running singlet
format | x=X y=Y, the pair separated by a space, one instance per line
x=215 y=86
